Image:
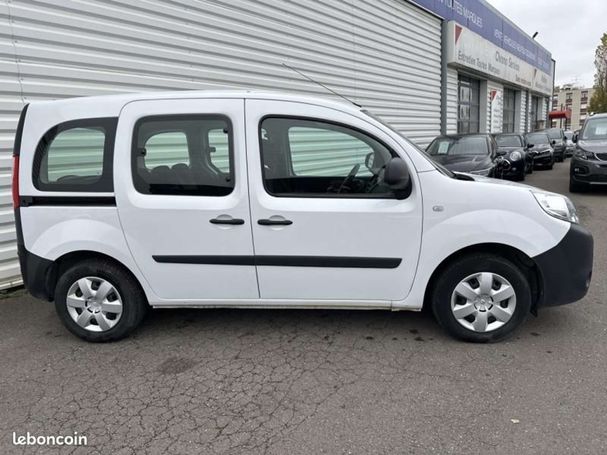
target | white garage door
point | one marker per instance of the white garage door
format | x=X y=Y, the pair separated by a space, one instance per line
x=384 y=54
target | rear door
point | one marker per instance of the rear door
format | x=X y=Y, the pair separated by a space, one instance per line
x=319 y=235
x=182 y=197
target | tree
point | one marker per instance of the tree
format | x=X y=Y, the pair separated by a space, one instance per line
x=598 y=102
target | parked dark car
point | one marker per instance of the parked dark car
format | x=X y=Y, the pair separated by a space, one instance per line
x=540 y=148
x=570 y=143
x=558 y=142
x=513 y=148
x=471 y=153
x=589 y=162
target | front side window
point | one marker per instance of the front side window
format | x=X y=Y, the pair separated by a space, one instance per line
x=76 y=156
x=183 y=155
x=309 y=157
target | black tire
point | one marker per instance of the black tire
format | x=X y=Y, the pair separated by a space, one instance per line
x=551 y=166
x=134 y=302
x=462 y=268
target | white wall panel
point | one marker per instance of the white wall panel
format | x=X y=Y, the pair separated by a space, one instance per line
x=385 y=54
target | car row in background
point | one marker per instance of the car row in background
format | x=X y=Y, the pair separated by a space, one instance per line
x=507 y=155
x=589 y=162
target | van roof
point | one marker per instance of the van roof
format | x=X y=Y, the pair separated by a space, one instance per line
x=110 y=105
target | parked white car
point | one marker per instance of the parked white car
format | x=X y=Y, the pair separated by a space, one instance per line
x=246 y=199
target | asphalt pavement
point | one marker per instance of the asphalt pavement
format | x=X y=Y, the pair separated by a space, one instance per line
x=314 y=382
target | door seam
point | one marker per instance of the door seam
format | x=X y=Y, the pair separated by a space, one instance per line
x=248 y=183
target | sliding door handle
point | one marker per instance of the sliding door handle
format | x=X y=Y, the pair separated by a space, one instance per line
x=231 y=221
x=271 y=222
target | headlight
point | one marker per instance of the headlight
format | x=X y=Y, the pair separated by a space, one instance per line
x=557 y=205
x=515 y=156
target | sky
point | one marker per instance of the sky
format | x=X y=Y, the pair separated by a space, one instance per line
x=569 y=29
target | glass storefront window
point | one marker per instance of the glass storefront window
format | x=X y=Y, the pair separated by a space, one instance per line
x=509 y=108
x=468 y=105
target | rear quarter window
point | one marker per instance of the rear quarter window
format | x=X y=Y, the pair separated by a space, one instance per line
x=76 y=156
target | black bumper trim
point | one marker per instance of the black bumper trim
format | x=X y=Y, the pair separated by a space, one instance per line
x=566 y=269
x=38 y=273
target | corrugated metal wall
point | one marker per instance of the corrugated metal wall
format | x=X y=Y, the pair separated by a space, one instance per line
x=452 y=100
x=383 y=53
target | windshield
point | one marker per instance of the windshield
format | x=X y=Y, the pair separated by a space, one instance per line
x=438 y=166
x=466 y=145
x=595 y=129
x=537 y=138
x=509 y=141
x=554 y=133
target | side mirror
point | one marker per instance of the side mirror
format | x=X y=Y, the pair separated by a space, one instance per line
x=397 y=177
x=553 y=142
x=369 y=159
x=530 y=146
x=574 y=139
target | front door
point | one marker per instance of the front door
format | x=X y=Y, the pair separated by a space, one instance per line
x=325 y=226
x=182 y=197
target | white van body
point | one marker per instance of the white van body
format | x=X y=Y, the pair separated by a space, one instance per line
x=336 y=252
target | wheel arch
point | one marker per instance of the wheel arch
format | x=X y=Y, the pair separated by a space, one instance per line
x=64 y=262
x=518 y=257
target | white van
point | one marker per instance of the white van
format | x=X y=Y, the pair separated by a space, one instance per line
x=260 y=200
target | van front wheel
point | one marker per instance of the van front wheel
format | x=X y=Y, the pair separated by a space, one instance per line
x=481 y=298
x=99 y=301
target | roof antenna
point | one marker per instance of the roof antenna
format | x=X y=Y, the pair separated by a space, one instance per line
x=322 y=85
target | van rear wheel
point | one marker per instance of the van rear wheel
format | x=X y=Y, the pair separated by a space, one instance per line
x=99 y=301
x=481 y=298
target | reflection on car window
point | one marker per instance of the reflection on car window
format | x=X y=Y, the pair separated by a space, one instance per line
x=467 y=145
x=595 y=129
x=554 y=133
x=537 y=139
x=508 y=141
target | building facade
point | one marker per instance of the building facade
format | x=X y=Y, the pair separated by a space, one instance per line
x=573 y=99
x=426 y=66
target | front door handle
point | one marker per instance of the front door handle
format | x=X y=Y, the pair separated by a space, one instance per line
x=277 y=222
x=231 y=221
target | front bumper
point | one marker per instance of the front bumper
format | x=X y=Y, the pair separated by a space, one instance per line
x=592 y=172
x=543 y=160
x=566 y=269
x=517 y=170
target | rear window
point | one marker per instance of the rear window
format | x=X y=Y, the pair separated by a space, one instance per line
x=554 y=134
x=508 y=141
x=467 y=145
x=76 y=156
x=183 y=155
